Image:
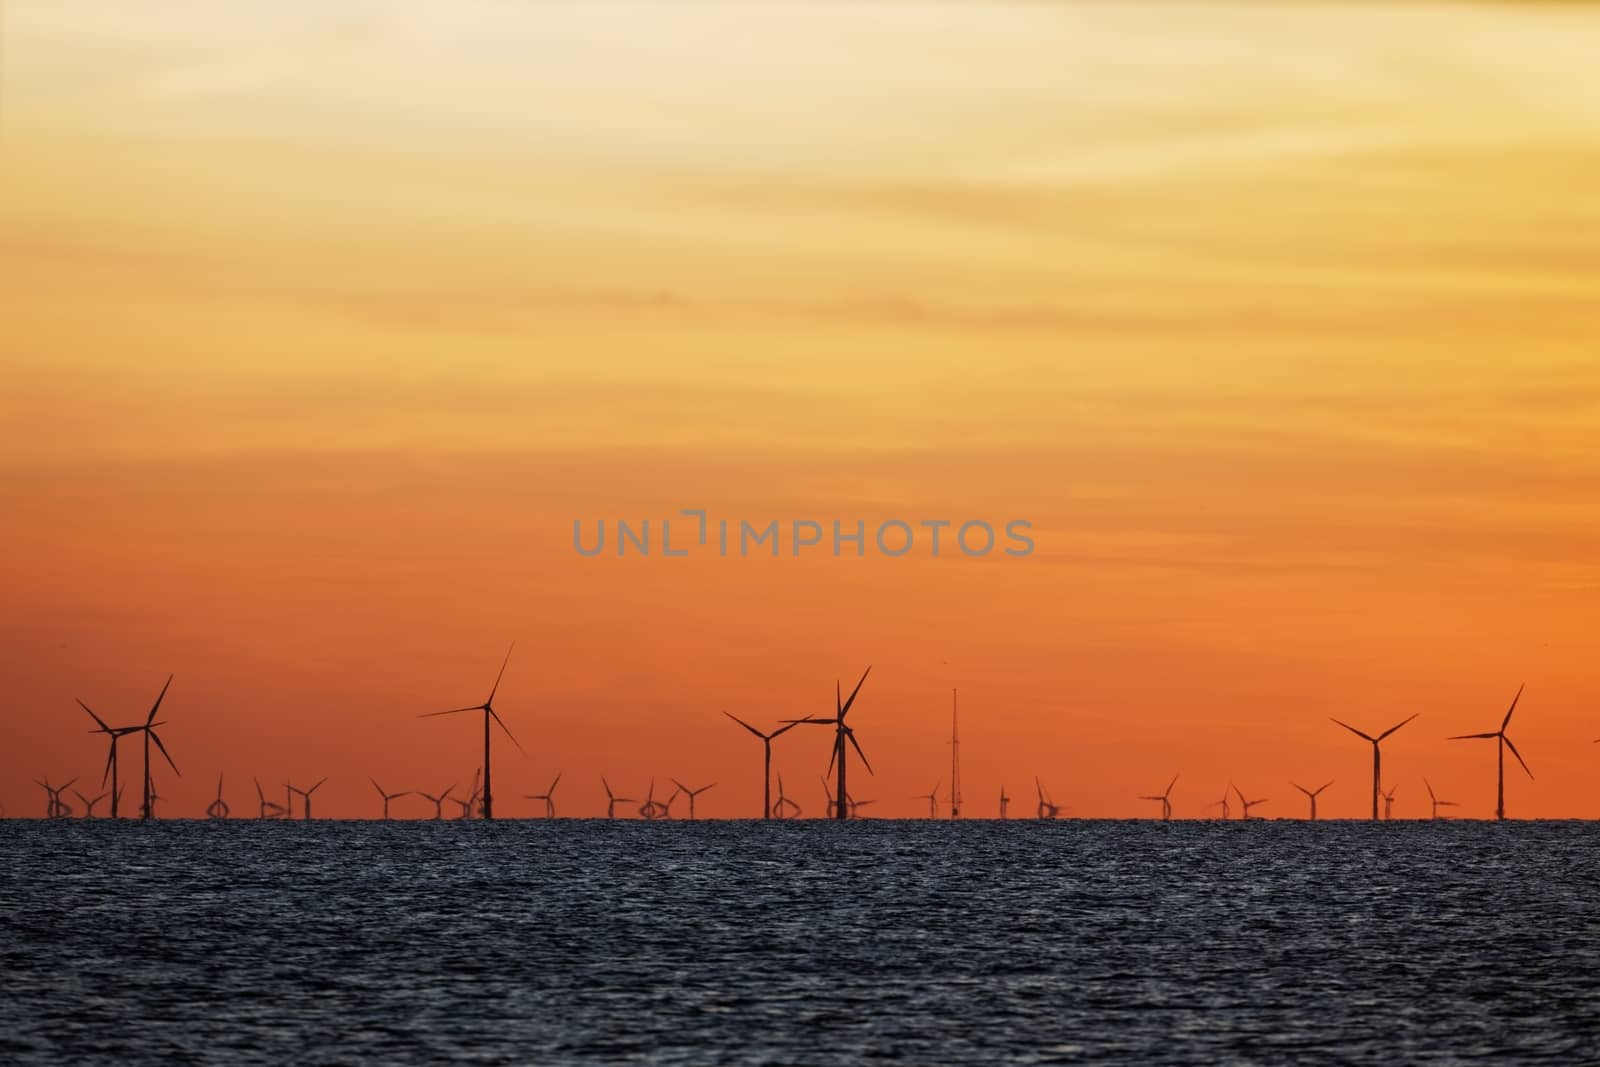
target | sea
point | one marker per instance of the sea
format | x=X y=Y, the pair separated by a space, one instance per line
x=799 y=942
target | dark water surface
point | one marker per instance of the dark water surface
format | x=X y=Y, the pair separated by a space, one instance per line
x=799 y=943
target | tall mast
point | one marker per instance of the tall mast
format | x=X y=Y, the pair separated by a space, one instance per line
x=955 y=760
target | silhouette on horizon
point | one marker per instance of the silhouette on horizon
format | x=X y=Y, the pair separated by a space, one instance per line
x=766 y=749
x=1436 y=802
x=1165 y=799
x=1312 y=794
x=691 y=794
x=549 y=798
x=842 y=733
x=612 y=800
x=386 y=795
x=487 y=707
x=1246 y=805
x=1504 y=743
x=1376 y=755
x=218 y=808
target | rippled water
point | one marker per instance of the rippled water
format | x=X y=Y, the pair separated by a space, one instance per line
x=799 y=943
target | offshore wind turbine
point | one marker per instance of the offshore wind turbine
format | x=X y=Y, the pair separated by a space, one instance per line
x=1504 y=743
x=218 y=808
x=469 y=805
x=842 y=733
x=652 y=808
x=89 y=803
x=1436 y=802
x=691 y=793
x=1248 y=804
x=766 y=748
x=55 y=807
x=305 y=795
x=487 y=707
x=612 y=800
x=1048 y=809
x=549 y=798
x=1227 y=812
x=1005 y=801
x=269 y=809
x=386 y=795
x=955 y=761
x=113 y=735
x=1312 y=794
x=1376 y=755
x=148 y=728
x=1388 y=803
x=932 y=797
x=782 y=801
x=438 y=801
x=854 y=804
x=1165 y=799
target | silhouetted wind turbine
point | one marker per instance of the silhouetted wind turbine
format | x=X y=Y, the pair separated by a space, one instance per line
x=149 y=731
x=854 y=804
x=651 y=808
x=438 y=801
x=1388 y=803
x=766 y=766
x=691 y=793
x=1504 y=743
x=487 y=707
x=612 y=800
x=932 y=797
x=1048 y=809
x=305 y=795
x=1312 y=794
x=1376 y=755
x=1248 y=804
x=269 y=809
x=218 y=808
x=1223 y=803
x=779 y=804
x=843 y=733
x=385 y=795
x=55 y=807
x=1436 y=802
x=113 y=735
x=469 y=805
x=549 y=798
x=1165 y=798
x=89 y=803
x=1005 y=801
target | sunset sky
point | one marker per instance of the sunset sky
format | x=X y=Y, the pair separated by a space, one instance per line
x=322 y=323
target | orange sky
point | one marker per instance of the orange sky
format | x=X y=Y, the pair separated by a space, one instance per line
x=320 y=328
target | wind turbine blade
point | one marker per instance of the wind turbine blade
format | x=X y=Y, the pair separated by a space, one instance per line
x=1302 y=788
x=162 y=696
x=495 y=715
x=1170 y=785
x=1240 y=792
x=846 y=706
x=157 y=739
x=608 y=787
x=316 y=787
x=1507 y=720
x=679 y=784
x=1326 y=784
x=1395 y=727
x=1353 y=730
x=376 y=786
x=95 y=717
x=1517 y=754
x=452 y=711
x=551 y=792
x=783 y=729
x=746 y=725
x=501 y=675
x=110 y=755
x=1429 y=787
x=1471 y=737
x=857 y=746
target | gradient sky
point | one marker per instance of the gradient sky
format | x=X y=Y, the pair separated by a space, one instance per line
x=322 y=323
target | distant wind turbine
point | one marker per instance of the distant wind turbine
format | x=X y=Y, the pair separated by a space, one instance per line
x=487 y=707
x=113 y=735
x=89 y=802
x=691 y=793
x=148 y=728
x=269 y=809
x=1223 y=804
x=652 y=808
x=1436 y=802
x=387 y=796
x=469 y=805
x=612 y=800
x=1248 y=804
x=305 y=795
x=1048 y=809
x=1376 y=755
x=1165 y=799
x=549 y=798
x=766 y=747
x=55 y=807
x=1312 y=794
x=932 y=797
x=842 y=734
x=1504 y=743
x=438 y=801
x=783 y=802
x=218 y=808
x=1005 y=801
x=1388 y=803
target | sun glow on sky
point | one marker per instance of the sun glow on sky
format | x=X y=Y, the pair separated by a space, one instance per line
x=322 y=323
